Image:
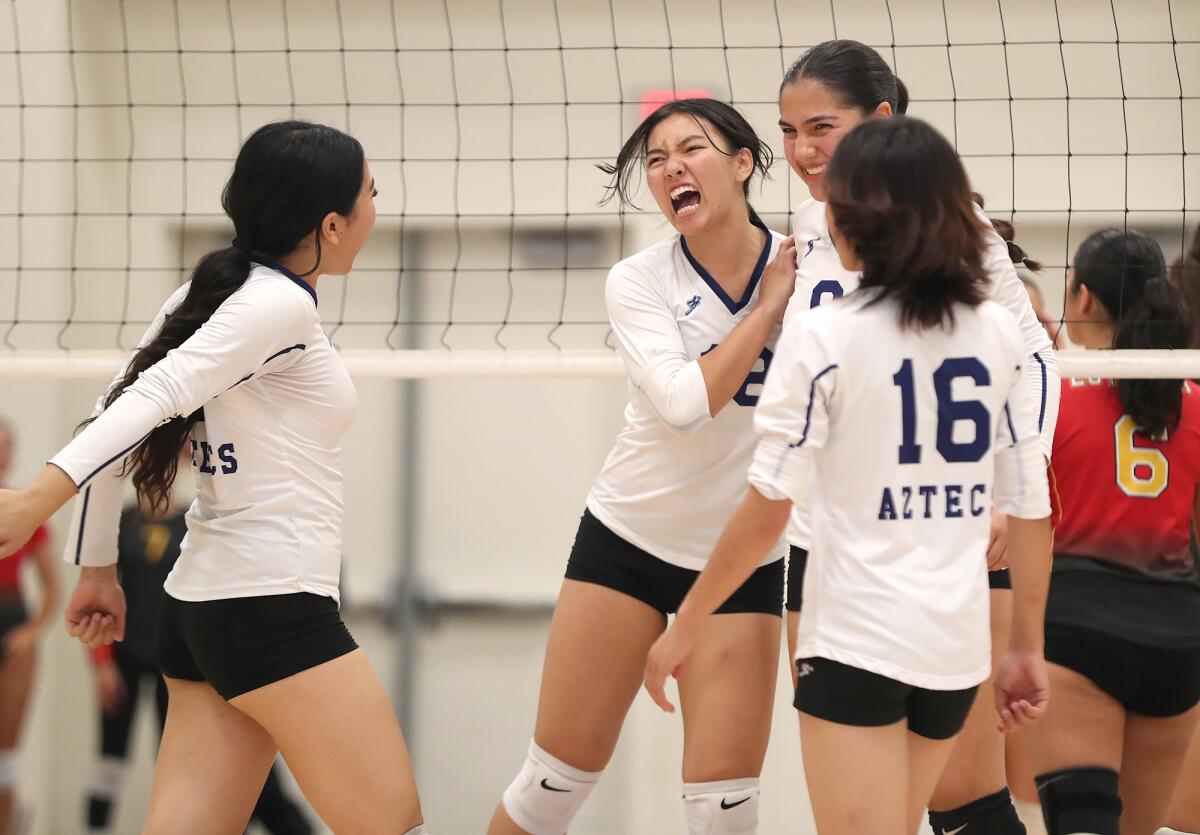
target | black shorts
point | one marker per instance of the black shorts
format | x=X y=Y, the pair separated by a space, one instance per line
x=846 y=695
x=1000 y=579
x=240 y=644
x=797 y=562
x=1148 y=680
x=602 y=557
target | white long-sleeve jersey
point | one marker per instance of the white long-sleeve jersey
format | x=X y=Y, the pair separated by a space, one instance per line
x=821 y=277
x=276 y=401
x=905 y=438
x=676 y=474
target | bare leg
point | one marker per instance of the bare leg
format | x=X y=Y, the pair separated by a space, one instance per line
x=336 y=729
x=857 y=777
x=16 y=679
x=586 y=693
x=976 y=766
x=793 y=623
x=211 y=765
x=1185 y=805
x=726 y=694
x=1154 y=754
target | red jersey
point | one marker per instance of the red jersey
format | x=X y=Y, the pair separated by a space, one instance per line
x=1127 y=499
x=10 y=566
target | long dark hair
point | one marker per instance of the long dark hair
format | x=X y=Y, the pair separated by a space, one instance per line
x=735 y=133
x=853 y=72
x=1126 y=272
x=287 y=178
x=899 y=194
x=1186 y=274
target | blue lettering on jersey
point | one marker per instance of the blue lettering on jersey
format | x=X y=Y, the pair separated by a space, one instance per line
x=977 y=510
x=229 y=464
x=756 y=378
x=828 y=287
x=950 y=507
x=692 y=304
x=225 y=454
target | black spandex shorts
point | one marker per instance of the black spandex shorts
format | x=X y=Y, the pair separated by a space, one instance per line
x=798 y=561
x=240 y=644
x=1151 y=681
x=840 y=693
x=602 y=557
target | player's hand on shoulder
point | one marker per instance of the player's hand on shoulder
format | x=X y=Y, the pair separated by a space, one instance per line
x=1022 y=689
x=95 y=614
x=779 y=278
x=666 y=658
x=18 y=520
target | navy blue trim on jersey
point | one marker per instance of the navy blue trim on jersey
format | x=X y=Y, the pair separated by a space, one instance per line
x=734 y=307
x=279 y=268
x=299 y=346
x=87 y=494
x=1011 y=429
x=1042 y=411
x=121 y=454
x=812 y=392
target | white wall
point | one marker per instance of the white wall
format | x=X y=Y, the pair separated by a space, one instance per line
x=111 y=213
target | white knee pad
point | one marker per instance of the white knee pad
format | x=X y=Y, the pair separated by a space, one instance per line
x=722 y=807
x=419 y=829
x=8 y=768
x=1166 y=830
x=109 y=777
x=548 y=793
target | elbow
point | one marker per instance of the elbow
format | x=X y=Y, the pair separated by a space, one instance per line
x=684 y=420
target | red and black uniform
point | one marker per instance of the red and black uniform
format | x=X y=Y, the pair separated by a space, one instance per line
x=1124 y=606
x=12 y=604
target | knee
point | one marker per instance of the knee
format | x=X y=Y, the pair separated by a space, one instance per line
x=722 y=807
x=1081 y=799
x=547 y=793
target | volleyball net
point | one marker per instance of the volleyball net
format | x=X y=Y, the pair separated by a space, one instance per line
x=483 y=122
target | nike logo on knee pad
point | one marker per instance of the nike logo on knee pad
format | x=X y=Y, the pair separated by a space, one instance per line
x=725 y=805
x=551 y=788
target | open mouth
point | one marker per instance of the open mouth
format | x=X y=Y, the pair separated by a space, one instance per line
x=816 y=170
x=685 y=200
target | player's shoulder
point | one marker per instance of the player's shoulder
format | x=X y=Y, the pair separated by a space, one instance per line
x=653 y=263
x=808 y=220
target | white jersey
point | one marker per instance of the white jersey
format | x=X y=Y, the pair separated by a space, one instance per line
x=276 y=401
x=676 y=474
x=905 y=439
x=821 y=277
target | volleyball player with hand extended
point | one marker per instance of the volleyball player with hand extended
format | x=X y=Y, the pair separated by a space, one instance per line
x=904 y=405
x=694 y=317
x=256 y=656
x=832 y=88
x=1123 y=616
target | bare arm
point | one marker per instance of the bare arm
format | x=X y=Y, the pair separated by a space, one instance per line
x=726 y=366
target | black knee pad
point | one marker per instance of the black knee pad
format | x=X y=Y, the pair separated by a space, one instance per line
x=1085 y=799
x=991 y=815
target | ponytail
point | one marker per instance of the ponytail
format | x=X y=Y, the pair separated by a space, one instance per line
x=1126 y=272
x=287 y=178
x=155 y=462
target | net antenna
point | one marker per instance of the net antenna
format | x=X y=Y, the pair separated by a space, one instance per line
x=483 y=123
